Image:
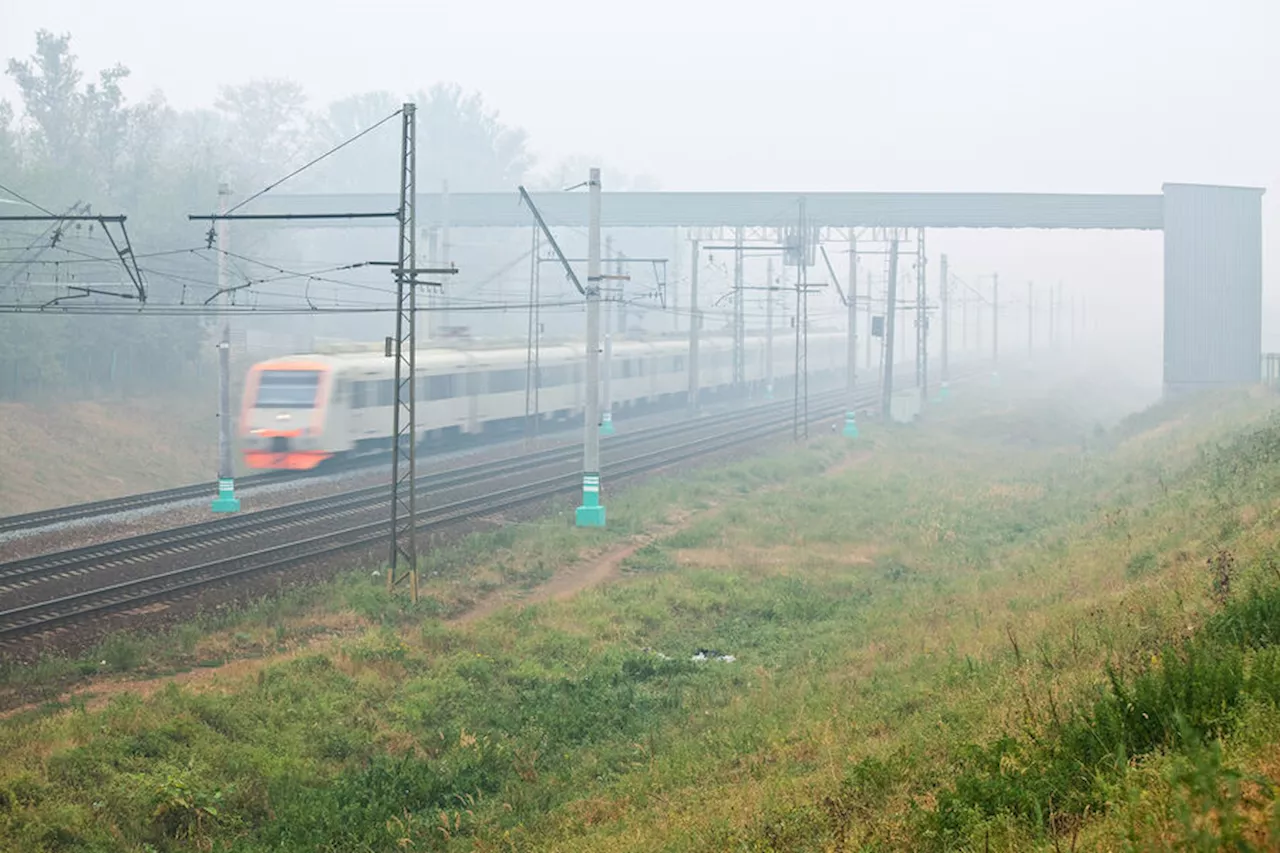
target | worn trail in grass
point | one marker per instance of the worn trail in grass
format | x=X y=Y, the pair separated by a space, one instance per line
x=912 y=636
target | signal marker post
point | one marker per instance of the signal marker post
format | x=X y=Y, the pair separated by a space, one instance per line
x=592 y=512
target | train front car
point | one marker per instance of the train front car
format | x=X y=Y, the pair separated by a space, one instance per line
x=283 y=416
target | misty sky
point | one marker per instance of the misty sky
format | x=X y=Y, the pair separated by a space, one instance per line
x=1021 y=95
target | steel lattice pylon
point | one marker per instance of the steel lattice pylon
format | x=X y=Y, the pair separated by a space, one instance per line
x=404 y=547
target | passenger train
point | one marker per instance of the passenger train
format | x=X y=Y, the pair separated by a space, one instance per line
x=300 y=411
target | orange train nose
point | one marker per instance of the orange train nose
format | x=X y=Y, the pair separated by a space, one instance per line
x=292 y=460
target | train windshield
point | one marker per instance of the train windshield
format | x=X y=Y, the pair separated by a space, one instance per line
x=288 y=389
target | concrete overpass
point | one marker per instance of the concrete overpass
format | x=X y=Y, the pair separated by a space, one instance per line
x=1212 y=241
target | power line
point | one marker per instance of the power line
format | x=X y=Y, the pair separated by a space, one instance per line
x=311 y=163
x=26 y=201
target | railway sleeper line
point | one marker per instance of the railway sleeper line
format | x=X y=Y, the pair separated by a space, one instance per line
x=144 y=500
x=147 y=594
x=45 y=616
x=24 y=573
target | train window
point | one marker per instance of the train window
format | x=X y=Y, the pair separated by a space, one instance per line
x=387 y=392
x=505 y=381
x=679 y=364
x=358 y=395
x=288 y=389
x=556 y=376
x=442 y=387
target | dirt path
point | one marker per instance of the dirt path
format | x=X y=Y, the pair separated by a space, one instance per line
x=589 y=571
x=585 y=573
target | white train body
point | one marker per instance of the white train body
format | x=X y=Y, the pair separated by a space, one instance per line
x=299 y=411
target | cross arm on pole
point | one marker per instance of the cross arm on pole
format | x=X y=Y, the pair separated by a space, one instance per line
x=268 y=217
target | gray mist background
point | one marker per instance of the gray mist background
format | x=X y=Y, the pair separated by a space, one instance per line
x=926 y=95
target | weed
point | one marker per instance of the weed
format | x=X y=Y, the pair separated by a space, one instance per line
x=1141 y=564
x=584 y=724
x=122 y=652
x=649 y=558
x=1222 y=566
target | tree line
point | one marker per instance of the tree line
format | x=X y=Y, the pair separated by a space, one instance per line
x=74 y=141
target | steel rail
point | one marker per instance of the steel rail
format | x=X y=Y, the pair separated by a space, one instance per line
x=40 y=616
x=24 y=572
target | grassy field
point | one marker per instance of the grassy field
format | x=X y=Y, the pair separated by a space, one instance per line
x=1006 y=629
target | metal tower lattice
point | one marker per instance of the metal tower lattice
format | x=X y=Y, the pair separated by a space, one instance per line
x=404 y=547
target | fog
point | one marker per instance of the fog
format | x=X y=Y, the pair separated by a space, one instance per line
x=931 y=95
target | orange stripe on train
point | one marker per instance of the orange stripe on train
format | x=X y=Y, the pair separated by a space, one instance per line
x=293 y=460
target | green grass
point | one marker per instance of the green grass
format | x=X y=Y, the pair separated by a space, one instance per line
x=981 y=632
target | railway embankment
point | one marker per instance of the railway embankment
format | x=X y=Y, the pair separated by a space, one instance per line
x=58 y=453
x=1008 y=625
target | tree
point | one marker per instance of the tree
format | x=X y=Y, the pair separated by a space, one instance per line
x=49 y=83
x=466 y=144
x=78 y=135
x=459 y=140
x=266 y=129
x=8 y=140
x=369 y=165
x=81 y=142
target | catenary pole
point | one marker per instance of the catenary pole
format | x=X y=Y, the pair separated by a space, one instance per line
x=944 y=388
x=226 y=500
x=1031 y=320
x=592 y=511
x=606 y=370
x=851 y=368
x=695 y=321
x=890 y=315
x=768 y=330
x=995 y=321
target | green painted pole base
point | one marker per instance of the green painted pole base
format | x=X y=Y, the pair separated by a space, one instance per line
x=226 y=501
x=591 y=513
x=944 y=393
x=606 y=424
x=850 y=425
x=768 y=392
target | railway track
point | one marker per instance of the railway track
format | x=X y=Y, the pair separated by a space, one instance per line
x=24 y=573
x=145 y=500
x=368 y=527
x=325 y=527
